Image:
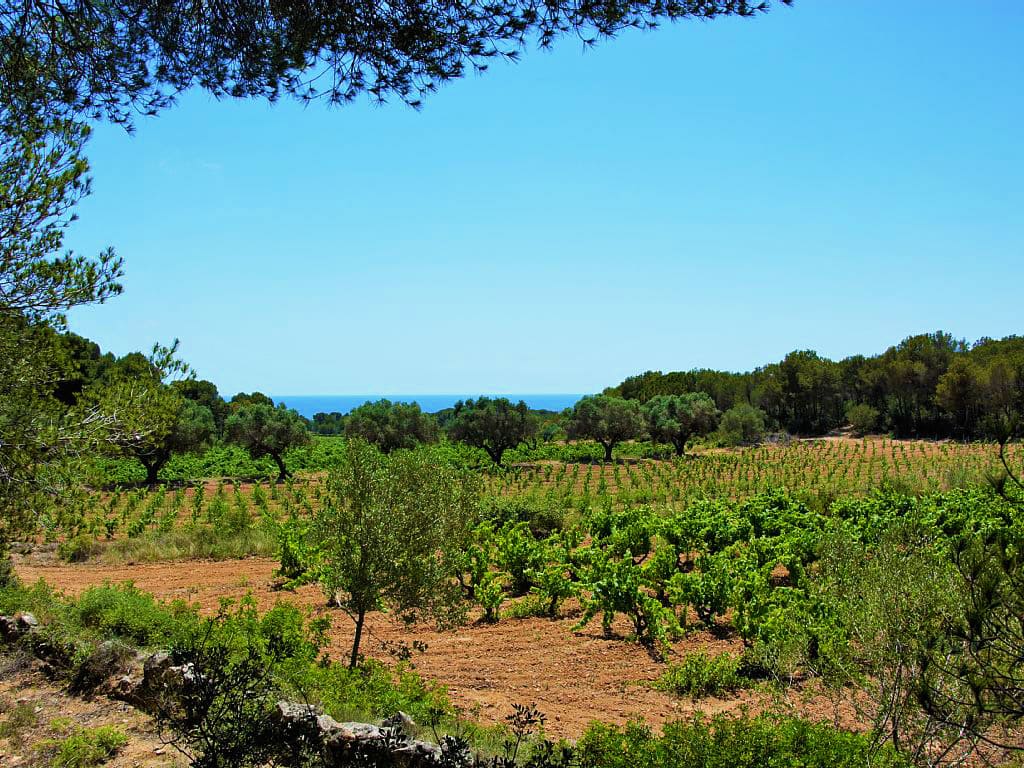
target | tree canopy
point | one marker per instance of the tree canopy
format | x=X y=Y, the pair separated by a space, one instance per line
x=389 y=533
x=115 y=60
x=676 y=418
x=608 y=420
x=493 y=424
x=264 y=430
x=391 y=426
x=928 y=385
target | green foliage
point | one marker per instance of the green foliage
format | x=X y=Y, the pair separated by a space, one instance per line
x=85 y=747
x=42 y=177
x=608 y=420
x=862 y=417
x=492 y=424
x=390 y=532
x=930 y=385
x=700 y=674
x=17 y=720
x=264 y=430
x=742 y=425
x=125 y=612
x=731 y=743
x=391 y=426
x=676 y=418
x=518 y=554
x=618 y=586
x=78 y=549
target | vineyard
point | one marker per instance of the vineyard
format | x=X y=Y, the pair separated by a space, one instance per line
x=731 y=578
x=245 y=512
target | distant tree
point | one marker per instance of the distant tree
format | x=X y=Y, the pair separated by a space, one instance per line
x=160 y=421
x=264 y=430
x=742 y=425
x=608 y=420
x=676 y=418
x=390 y=532
x=494 y=424
x=960 y=392
x=862 y=417
x=256 y=398
x=390 y=426
x=205 y=393
x=332 y=423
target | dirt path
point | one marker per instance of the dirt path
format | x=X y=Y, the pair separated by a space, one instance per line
x=572 y=677
x=47 y=712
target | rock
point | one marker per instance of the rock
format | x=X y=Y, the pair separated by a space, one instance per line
x=401 y=722
x=8 y=629
x=13 y=628
x=153 y=681
x=343 y=742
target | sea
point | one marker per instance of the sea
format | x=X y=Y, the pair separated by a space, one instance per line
x=308 y=405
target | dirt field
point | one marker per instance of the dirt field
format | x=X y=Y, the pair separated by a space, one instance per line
x=572 y=677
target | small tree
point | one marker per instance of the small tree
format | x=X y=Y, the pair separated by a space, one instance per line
x=676 y=418
x=390 y=532
x=264 y=430
x=494 y=424
x=742 y=424
x=177 y=426
x=390 y=426
x=606 y=419
x=863 y=418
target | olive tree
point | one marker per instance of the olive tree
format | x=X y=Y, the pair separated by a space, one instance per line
x=264 y=430
x=676 y=418
x=493 y=424
x=606 y=419
x=160 y=423
x=390 y=426
x=389 y=534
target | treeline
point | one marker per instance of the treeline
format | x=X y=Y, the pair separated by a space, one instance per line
x=157 y=408
x=930 y=385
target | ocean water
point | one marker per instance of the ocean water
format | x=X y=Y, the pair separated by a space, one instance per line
x=308 y=405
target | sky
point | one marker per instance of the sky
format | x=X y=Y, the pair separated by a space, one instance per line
x=833 y=176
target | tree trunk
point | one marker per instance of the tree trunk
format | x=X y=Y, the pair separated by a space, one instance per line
x=354 y=658
x=152 y=470
x=607 y=450
x=495 y=454
x=282 y=470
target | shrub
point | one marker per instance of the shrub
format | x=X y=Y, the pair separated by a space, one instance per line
x=700 y=674
x=862 y=417
x=128 y=613
x=742 y=425
x=85 y=747
x=731 y=743
x=79 y=548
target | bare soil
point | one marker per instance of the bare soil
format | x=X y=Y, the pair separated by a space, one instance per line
x=55 y=712
x=574 y=677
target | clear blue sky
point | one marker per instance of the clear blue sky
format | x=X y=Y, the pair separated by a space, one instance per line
x=834 y=176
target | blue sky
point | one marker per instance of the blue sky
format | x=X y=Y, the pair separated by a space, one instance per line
x=833 y=176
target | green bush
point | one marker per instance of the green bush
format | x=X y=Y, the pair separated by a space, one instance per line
x=85 y=747
x=700 y=674
x=125 y=612
x=731 y=743
x=862 y=417
x=79 y=548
